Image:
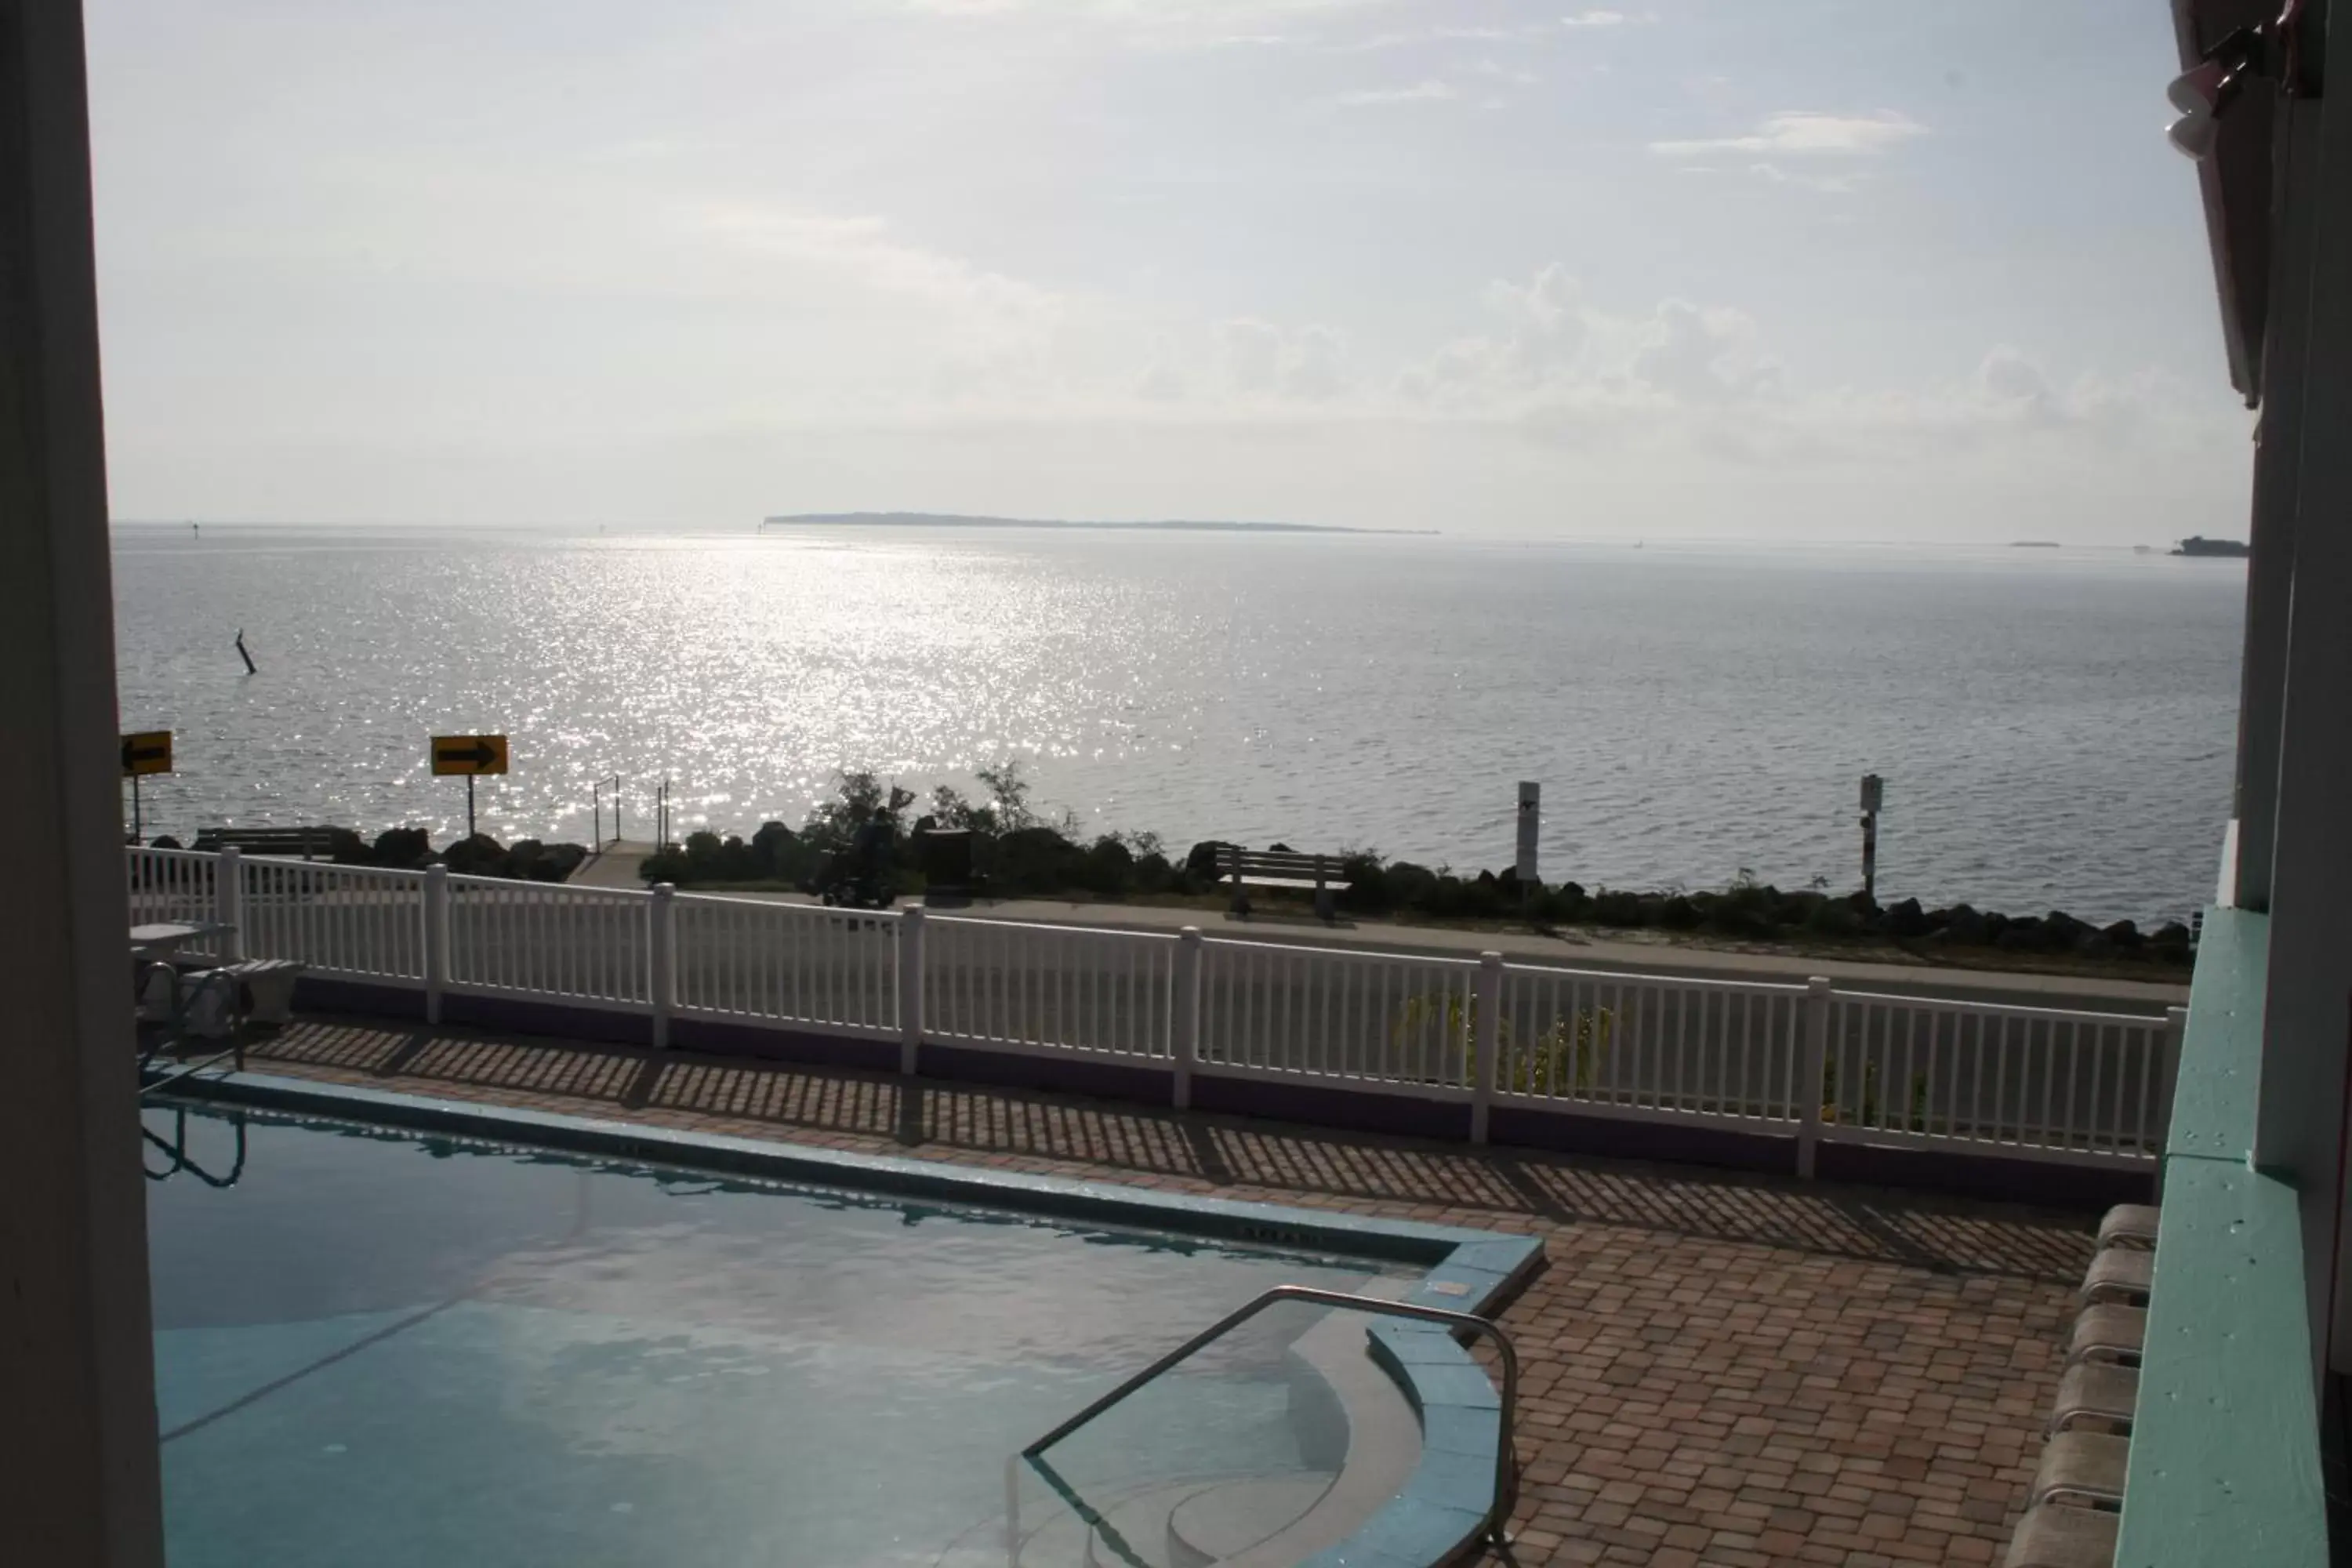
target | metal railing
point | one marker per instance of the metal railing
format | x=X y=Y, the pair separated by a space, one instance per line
x=1809 y=1063
x=1650 y=1047
x=354 y=919
x=2037 y=1080
x=1499 y=1508
x=603 y=790
x=759 y=960
x=1382 y=1017
x=587 y=945
x=177 y=887
x=1048 y=988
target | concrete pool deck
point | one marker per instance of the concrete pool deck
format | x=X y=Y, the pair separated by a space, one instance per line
x=1717 y=1369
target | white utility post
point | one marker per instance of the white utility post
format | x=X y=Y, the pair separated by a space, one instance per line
x=1874 y=799
x=1530 y=825
x=1486 y=1040
x=228 y=902
x=1185 y=1016
x=910 y=989
x=436 y=939
x=1812 y=1069
x=661 y=915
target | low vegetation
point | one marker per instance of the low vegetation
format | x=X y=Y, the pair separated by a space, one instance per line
x=1015 y=852
x=411 y=849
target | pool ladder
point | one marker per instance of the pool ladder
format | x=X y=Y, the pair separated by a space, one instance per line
x=1498 y=1512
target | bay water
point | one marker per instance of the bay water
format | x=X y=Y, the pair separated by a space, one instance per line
x=2055 y=727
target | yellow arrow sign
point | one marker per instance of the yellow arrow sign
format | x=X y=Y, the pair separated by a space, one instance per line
x=469 y=753
x=148 y=752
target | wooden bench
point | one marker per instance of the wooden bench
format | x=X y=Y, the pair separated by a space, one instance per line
x=310 y=843
x=1247 y=868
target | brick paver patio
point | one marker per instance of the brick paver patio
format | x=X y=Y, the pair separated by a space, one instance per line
x=1719 y=1369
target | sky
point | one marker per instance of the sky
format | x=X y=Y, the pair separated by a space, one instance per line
x=1816 y=270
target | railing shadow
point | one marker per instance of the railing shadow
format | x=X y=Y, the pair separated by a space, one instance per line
x=1305 y=1165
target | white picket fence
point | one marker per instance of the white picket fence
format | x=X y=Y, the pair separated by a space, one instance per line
x=1807 y=1061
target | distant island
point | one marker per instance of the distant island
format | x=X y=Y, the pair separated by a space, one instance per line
x=2227 y=549
x=2033 y=545
x=953 y=519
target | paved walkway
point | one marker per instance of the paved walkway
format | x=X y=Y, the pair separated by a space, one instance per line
x=1718 y=1368
x=618 y=867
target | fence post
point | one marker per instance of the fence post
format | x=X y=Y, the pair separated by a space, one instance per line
x=1812 y=1061
x=228 y=903
x=911 y=988
x=2176 y=1033
x=1487 y=1034
x=1185 y=1017
x=661 y=913
x=436 y=940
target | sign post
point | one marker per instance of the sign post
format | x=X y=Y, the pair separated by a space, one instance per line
x=143 y=752
x=1531 y=820
x=471 y=755
x=1873 y=797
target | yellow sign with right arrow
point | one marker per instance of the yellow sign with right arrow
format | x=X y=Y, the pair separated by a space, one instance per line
x=469 y=754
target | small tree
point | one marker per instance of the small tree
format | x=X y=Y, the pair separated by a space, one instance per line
x=1564 y=1058
x=861 y=799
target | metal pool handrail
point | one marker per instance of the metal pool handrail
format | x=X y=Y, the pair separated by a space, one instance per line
x=1506 y=1471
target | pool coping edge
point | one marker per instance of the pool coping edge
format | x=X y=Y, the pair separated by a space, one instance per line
x=1429 y=1523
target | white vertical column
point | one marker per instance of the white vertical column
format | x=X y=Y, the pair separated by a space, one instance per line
x=82 y=1484
x=1812 y=1059
x=228 y=902
x=1185 y=1017
x=2278 y=465
x=2307 y=1014
x=661 y=955
x=436 y=940
x=1485 y=1040
x=911 y=988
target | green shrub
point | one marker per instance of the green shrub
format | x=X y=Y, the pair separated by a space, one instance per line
x=1832 y=917
x=1107 y=868
x=1564 y=1058
x=1611 y=907
x=1409 y=886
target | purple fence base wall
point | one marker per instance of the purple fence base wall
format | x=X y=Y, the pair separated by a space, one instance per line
x=1332 y=1105
x=1695 y=1145
x=781 y=1043
x=1985 y=1175
x=1009 y=1069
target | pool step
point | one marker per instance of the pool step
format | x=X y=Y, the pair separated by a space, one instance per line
x=1218 y=1523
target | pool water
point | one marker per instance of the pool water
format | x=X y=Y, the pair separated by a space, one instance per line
x=374 y=1348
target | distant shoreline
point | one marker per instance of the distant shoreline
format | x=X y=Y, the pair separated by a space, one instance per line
x=954 y=519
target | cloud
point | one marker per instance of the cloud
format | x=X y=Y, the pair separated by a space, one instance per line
x=1261 y=361
x=1430 y=90
x=1437 y=35
x=1594 y=19
x=860 y=248
x=1802 y=134
x=1154 y=24
x=1689 y=385
x=1500 y=72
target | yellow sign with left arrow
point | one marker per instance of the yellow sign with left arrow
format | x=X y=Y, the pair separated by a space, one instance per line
x=147 y=752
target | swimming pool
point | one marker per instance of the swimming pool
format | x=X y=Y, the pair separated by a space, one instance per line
x=379 y=1347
